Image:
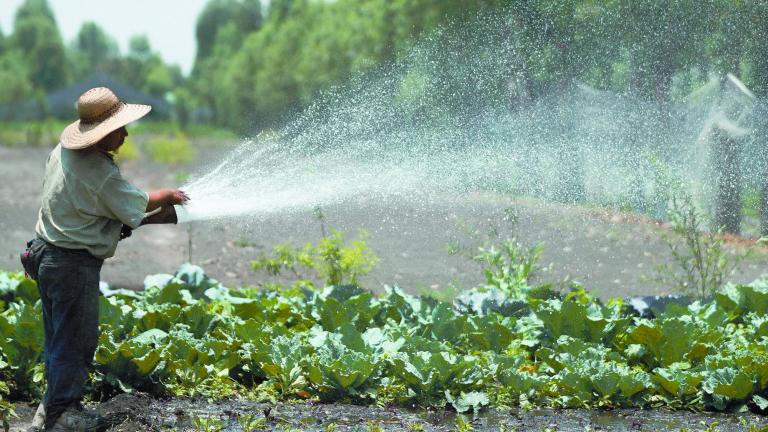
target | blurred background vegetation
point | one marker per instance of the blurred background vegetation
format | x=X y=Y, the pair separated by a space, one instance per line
x=258 y=62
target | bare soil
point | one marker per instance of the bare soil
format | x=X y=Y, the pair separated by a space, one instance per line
x=609 y=253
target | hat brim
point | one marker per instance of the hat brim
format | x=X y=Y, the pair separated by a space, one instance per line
x=79 y=135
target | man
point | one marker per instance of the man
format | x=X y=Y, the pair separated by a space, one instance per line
x=86 y=204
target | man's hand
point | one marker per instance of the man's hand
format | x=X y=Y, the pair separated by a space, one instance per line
x=177 y=197
x=166 y=198
x=125 y=232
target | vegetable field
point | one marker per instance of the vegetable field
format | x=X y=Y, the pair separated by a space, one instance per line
x=511 y=347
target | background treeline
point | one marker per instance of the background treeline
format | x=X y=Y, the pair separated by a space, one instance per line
x=35 y=60
x=257 y=62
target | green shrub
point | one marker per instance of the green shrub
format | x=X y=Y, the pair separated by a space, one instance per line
x=43 y=133
x=128 y=151
x=173 y=149
x=194 y=131
x=330 y=260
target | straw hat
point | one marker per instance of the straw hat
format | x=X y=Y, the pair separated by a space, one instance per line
x=100 y=112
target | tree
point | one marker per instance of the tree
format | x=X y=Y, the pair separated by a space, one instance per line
x=144 y=69
x=221 y=30
x=663 y=38
x=93 y=47
x=245 y=14
x=38 y=38
x=724 y=48
x=35 y=8
x=16 y=87
x=139 y=48
x=2 y=42
x=279 y=10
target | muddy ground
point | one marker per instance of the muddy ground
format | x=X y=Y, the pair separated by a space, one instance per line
x=132 y=413
x=609 y=253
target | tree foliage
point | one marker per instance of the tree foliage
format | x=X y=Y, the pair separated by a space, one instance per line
x=37 y=36
x=257 y=62
x=92 y=50
x=245 y=15
x=16 y=86
x=306 y=47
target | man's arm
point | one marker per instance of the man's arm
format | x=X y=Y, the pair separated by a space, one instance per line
x=165 y=216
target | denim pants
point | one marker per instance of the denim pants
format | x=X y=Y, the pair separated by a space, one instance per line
x=68 y=281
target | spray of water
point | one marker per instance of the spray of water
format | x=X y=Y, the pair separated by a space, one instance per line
x=448 y=118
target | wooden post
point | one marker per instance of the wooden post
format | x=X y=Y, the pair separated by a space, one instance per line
x=764 y=208
x=727 y=180
x=762 y=137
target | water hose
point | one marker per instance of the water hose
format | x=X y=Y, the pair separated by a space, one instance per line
x=153 y=212
x=182 y=215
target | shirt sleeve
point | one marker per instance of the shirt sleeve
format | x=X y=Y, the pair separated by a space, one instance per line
x=126 y=202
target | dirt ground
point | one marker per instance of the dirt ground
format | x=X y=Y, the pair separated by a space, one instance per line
x=608 y=253
x=132 y=413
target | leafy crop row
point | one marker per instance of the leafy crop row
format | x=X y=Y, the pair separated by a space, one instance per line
x=186 y=334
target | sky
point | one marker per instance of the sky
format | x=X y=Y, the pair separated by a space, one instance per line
x=169 y=24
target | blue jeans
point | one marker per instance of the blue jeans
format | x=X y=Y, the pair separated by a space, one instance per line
x=68 y=281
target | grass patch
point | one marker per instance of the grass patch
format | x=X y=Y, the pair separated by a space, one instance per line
x=128 y=151
x=192 y=131
x=37 y=134
x=45 y=133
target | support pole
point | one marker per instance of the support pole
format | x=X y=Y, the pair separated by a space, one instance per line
x=726 y=151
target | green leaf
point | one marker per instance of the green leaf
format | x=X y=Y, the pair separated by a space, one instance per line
x=473 y=400
x=147 y=362
x=755 y=297
x=760 y=401
x=731 y=383
x=606 y=382
x=333 y=314
x=446 y=324
x=678 y=380
x=489 y=334
x=152 y=336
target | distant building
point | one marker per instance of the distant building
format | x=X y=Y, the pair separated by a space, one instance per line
x=62 y=103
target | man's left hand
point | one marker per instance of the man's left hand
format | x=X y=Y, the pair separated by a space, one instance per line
x=125 y=232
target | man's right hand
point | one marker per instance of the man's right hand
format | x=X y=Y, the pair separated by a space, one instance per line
x=177 y=196
x=166 y=197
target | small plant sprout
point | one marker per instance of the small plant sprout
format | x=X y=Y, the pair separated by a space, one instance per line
x=462 y=425
x=415 y=427
x=252 y=423
x=208 y=424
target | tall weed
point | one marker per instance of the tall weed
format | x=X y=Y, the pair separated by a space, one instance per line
x=333 y=260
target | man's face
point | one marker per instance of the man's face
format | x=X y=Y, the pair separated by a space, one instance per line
x=114 y=140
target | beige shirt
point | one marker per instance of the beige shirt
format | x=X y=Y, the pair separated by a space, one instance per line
x=86 y=201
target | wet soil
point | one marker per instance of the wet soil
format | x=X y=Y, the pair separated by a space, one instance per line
x=131 y=413
x=609 y=253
